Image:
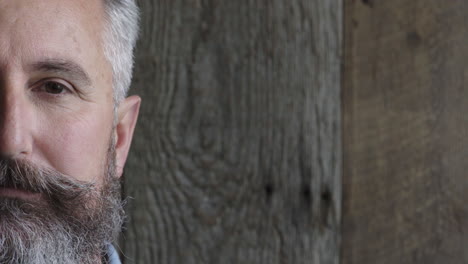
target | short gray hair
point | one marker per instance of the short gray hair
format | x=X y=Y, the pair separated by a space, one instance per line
x=120 y=36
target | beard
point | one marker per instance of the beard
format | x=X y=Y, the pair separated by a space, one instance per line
x=72 y=222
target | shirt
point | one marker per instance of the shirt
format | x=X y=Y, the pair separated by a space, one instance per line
x=112 y=255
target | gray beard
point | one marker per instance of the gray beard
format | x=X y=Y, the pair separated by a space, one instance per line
x=74 y=223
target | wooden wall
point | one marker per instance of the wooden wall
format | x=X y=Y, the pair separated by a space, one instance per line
x=237 y=154
x=252 y=147
x=405 y=102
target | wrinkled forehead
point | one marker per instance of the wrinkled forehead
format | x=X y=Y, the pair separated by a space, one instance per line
x=34 y=29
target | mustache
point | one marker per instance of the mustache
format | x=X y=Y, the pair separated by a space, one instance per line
x=26 y=176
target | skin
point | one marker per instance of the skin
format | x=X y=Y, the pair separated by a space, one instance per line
x=56 y=106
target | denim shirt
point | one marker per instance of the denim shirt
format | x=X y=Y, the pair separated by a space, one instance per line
x=112 y=255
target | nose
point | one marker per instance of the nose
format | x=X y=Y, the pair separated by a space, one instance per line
x=15 y=124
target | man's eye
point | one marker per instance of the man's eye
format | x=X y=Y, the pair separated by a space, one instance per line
x=54 y=88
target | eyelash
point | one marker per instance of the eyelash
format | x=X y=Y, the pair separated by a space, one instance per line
x=41 y=87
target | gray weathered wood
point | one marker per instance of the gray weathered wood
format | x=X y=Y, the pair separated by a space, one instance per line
x=237 y=154
x=406 y=132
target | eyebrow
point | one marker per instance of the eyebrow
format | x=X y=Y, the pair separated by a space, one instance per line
x=67 y=68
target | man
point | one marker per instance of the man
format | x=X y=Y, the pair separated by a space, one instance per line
x=65 y=127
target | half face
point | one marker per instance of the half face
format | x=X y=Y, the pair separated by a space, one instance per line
x=56 y=127
x=56 y=107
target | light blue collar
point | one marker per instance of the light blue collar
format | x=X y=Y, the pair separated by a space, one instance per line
x=113 y=255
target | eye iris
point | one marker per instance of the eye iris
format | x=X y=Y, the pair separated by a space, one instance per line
x=53 y=88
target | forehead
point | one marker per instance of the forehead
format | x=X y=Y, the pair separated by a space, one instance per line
x=52 y=29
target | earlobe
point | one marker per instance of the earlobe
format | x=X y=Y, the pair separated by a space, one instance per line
x=127 y=118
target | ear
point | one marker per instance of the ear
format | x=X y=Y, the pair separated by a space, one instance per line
x=127 y=118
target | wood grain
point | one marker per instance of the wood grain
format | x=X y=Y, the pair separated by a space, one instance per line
x=405 y=101
x=237 y=153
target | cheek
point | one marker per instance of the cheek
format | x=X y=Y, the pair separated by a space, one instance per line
x=76 y=146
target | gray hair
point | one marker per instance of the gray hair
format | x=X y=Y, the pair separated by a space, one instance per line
x=121 y=33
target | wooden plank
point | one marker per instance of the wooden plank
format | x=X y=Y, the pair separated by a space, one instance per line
x=405 y=141
x=237 y=154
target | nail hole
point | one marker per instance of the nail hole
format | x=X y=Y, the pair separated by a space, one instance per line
x=269 y=190
x=306 y=194
x=414 y=39
x=368 y=3
x=326 y=196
